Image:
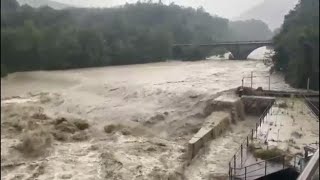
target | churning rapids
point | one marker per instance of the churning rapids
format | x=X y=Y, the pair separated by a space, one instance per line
x=139 y=117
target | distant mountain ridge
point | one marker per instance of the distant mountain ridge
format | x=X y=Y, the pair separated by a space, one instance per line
x=271 y=12
x=40 y=3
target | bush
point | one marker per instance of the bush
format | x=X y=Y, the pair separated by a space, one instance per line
x=269 y=154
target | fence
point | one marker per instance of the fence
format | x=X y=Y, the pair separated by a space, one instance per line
x=251 y=78
x=263 y=82
x=259 y=169
x=263 y=168
x=237 y=165
x=239 y=159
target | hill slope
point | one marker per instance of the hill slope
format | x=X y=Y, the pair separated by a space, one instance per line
x=249 y=30
x=270 y=11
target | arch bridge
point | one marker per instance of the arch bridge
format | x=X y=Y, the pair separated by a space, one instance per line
x=239 y=49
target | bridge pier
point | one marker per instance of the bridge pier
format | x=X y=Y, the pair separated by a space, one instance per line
x=239 y=52
x=239 y=56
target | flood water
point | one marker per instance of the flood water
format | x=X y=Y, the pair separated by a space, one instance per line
x=156 y=102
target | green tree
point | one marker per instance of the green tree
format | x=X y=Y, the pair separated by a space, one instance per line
x=297 y=45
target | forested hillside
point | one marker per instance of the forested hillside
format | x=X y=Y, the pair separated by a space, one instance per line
x=44 y=38
x=297 y=45
x=40 y=3
x=250 y=30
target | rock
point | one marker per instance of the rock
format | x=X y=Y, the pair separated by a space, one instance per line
x=93 y=147
x=66 y=126
x=109 y=128
x=161 y=144
x=40 y=116
x=66 y=176
x=193 y=96
x=80 y=136
x=158 y=117
x=81 y=124
x=60 y=120
x=151 y=149
x=125 y=131
x=60 y=136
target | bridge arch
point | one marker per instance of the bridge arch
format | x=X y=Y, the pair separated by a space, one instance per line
x=242 y=52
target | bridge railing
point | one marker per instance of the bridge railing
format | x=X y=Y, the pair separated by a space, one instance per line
x=224 y=42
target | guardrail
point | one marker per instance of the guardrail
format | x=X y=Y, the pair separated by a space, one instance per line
x=311 y=167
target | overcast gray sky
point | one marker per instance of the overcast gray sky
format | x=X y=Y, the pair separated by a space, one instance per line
x=224 y=8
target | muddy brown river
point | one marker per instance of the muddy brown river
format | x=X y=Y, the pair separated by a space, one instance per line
x=155 y=105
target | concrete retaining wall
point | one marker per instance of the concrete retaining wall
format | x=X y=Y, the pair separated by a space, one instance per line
x=219 y=116
x=234 y=107
x=255 y=105
x=208 y=132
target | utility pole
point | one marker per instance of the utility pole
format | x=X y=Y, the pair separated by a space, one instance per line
x=251 y=78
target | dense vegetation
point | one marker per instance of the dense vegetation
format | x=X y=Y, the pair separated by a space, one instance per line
x=44 y=38
x=39 y=3
x=297 y=45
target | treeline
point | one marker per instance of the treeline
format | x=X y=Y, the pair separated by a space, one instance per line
x=44 y=38
x=297 y=45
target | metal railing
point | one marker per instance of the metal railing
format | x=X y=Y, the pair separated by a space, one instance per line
x=237 y=168
x=240 y=157
x=313 y=108
x=266 y=167
x=259 y=169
